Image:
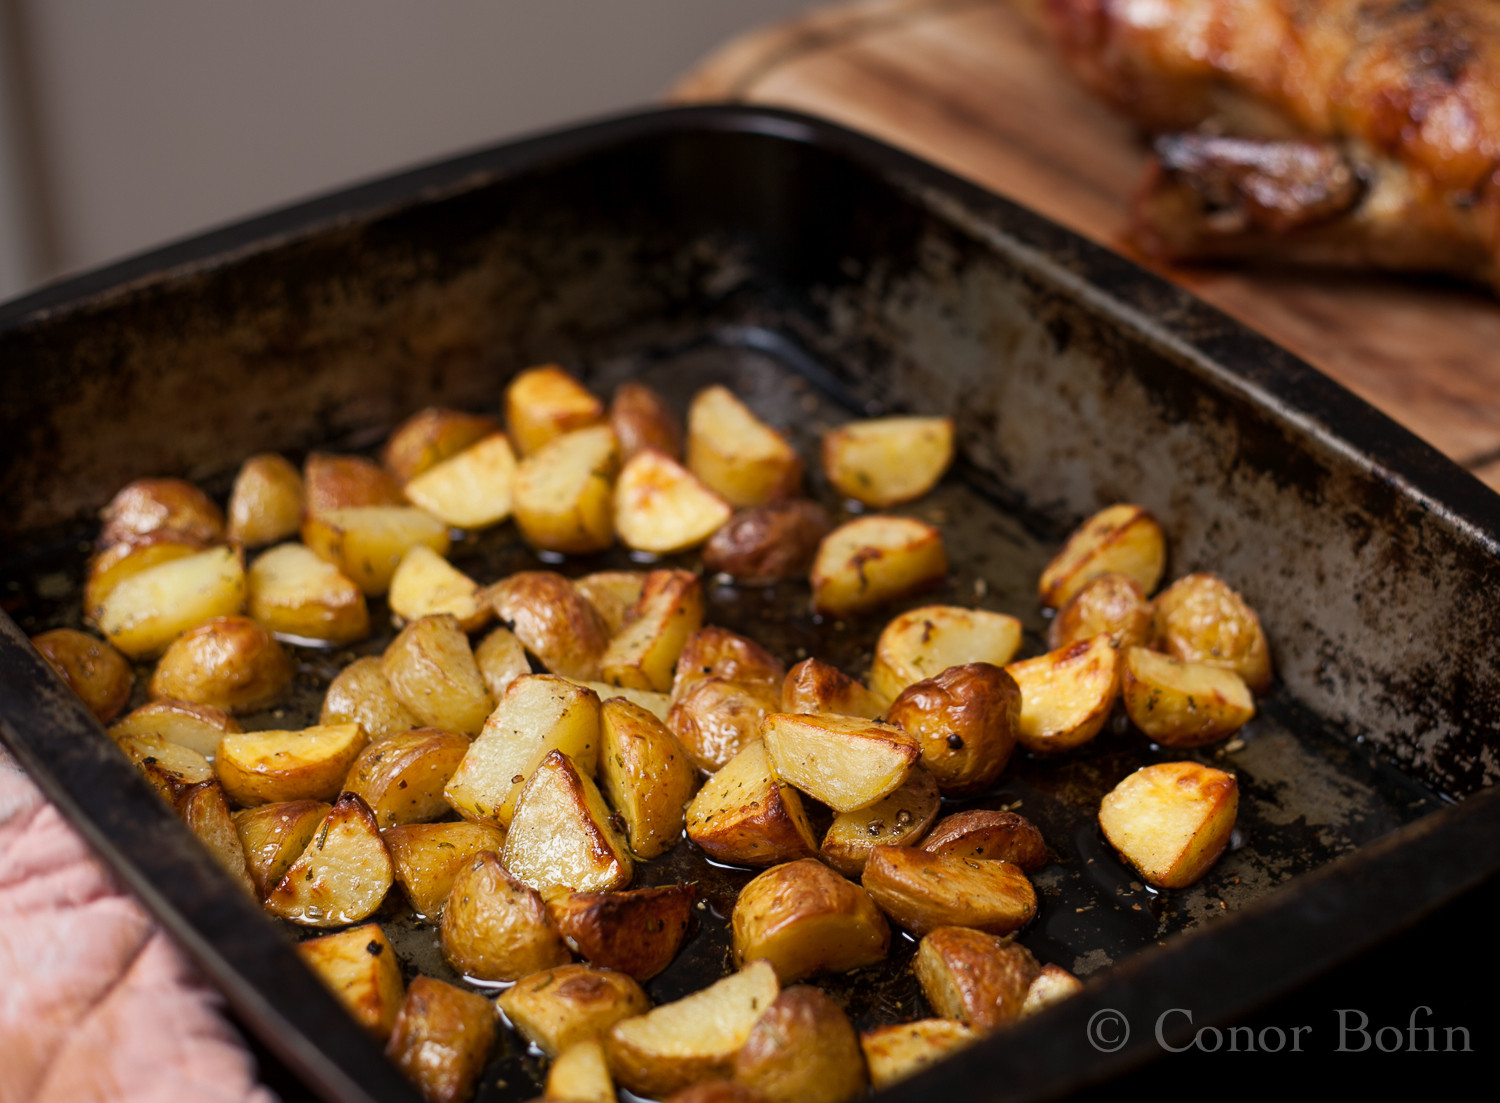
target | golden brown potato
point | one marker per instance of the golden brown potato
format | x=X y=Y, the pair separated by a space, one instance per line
x=197 y=726
x=560 y=1007
x=1110 y=603
x=899 y=820
x=580 y=1074
x=813 y=686
x=1171 y=821
x=642 y=420
x=896 y=1052
x=802 y=1050
x=927 y=641
x=657 y=704
x=143 y=613
x=426 y=585
x=984 y=834
x=737 y=454
x=744 y=815
x=428 y=856
x=646 y=775
x=346 y=482
x=612 y=594
x=562 y=834
x=965 y=721
x=974 y=977
x=713 y=652
x=266 y=503
x=1123 y=539
x=294 y=592
x=433 y=673
x=264 y=766
x=1066 y=695
x=1200 y=619
x=153 y=505
x=496 y=928
x=360 y=694
x=544 y=403
x=442 y=1039
x=274 y=836
x=644 y=655
x=1182 y=704
x=1052 y=985
x=694 y=1038
x=538 y=714
x=401 y=778
x=112 y=565
x=554 y=620
x=95 y=671
x=564 y=492
x=921 y=891
x=843 y=761
x=205 y=811
x=367 y=543
x=341 y=877
x=661 y=507
x=471 y=490
x=360 y=967
x=886 y=461
x=718 y=718
x=869 y=561
x=429 y=437
x=501 y=659
x=637 y=932
x=230 y=663
x=168 y=767
x=767 y=544
x=806 y=919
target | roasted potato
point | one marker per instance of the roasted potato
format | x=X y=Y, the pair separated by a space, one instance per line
x=562 y=1006
x=562 y=835
x=442 y=1039
x=921 y=892
x=657 y=704
x=429 y=437
x=644 y=655
x=428 y=856
x=867 y=562
x=230 y=663
x=295 y=592
x=580 y=1074
x=965 y=722
x=974 y=977
x=1052 y=985
x=636 y=932
x=554 y=620
x=737 y=454
x=766 y=544
x=496 y=928
x=205 y=811
x=642 y=420
x=986 y=834
x=425 y=585
x=843 y=761
x=346 y=482
x=197 y=726
x=745 y=815
x=402 y=777
x=155 y=505
x=694 y=1038
x=501 y=659
x=564 y=492
x=812 y=686
x=341 y=877
x=1110 y=603
x=168 y=767
x=114 y=564
x=471 y=490
x=1200 y=619
x=544 y=403
x=367 y=543
x=718 y=718
x=1123 y=539
x=806 y=919
x=901 y=819
x=538 y=714
x=716 y=1091
x=713 y=652
x=1171 y=821
x=802 y=1050
x=360 y=694
x=1066 y=695
x=264 y=766
x=1180 y=704
x=360 y=967
x=883 y=462
x=646 y=775
x=95 y=671
x=661 y=507
x=612 y=594
x=143 y=613
x=273 y=836
x=266 y=503
x=433 y=673
x=925 y=642
x=896 y=1052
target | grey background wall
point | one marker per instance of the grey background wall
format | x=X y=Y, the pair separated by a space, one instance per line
x=126 y=123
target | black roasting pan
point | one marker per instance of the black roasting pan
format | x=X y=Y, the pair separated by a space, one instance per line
x=826 y=276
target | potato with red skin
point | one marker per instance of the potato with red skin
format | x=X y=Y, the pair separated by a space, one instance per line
x=231 y=663
x=965 y=722
x=93 y=669
x=154 y=505
x=767 y=544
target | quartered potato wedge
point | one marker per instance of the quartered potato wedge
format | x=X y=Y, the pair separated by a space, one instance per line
x=974 y=977
x=883 y=462
x=1181 y=704
x=843 y=761
x=562 y=834
x=427 y=585
x=273 y=836
x=563 y=1006
x=158 y=505
x=636 y=932
x=433 y=673
x=644 y=655
x=360 y=694
x=143 y=613
x=812 y=686
x=197 y=726
x=554 y=620
x=806 y=919
x=988 y=834
x=964 y=720
x=662 y=507
x=745 y=815
x=293 y=591
x=646 y=775
x=496 y=928
x=205 y=811
x=738 y=455
x=1067 y=695
x=230 y=663
x=642 y=420
x=896 y=1052
x=428 y=856
x=713 y=652
x=501 y=658
x=266 y=503
x=543 y=403
x=265 y=766
x=613 y=595
x=900 y=819
x=1052 y=985
x=1200 y=619
x=402 y=777
x=360 y=967
x=921 y=892
x=927 y=641
x=112 y=565
x=717 y=718
x=367 y=543
x=867 y=562
x=564 y=492
x=167 y=766
x=429 y=437
x=344 y=482
x=94 y=670
x=343 y=874
x=1110 y=603
x=442 y=1039
x=1171 y=821
x=471 y=490
x=1124 y=539
x=802 y=1050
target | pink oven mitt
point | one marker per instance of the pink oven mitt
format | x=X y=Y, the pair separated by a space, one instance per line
x=95 y=1003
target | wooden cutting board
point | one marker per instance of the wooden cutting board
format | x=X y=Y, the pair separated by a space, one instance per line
x=971 y=86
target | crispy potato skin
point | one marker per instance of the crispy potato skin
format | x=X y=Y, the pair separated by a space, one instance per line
x=713 y=652
x=921 y=892
x=343 y=874
x=901 y=819
x=93 y=669
x=360 y=694
x=432 y=671
x=153 y=505
x=554 y=621
x=205 y=811
x=230 y=663
x=646 y=774
x=168 y=767
x=429 y=437
x=767 y=544
x=275 y=835
x=803 y=1050
x=1121 y=538
x=718 y=718
x=806 y=919
x=428 y=856
x=985 y=834
x=442 y=1039
x=965 y=721
x=637 y=932
x=1182 y=704
x=494 y=927
x=974 y=977
x=563 y=1006
x=813 y=686
x=267 y=500
x=401 y=778
x=1200 y=619
x=642 y=419
x=1111 y=603
x=744 y=816
x=343 y=482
